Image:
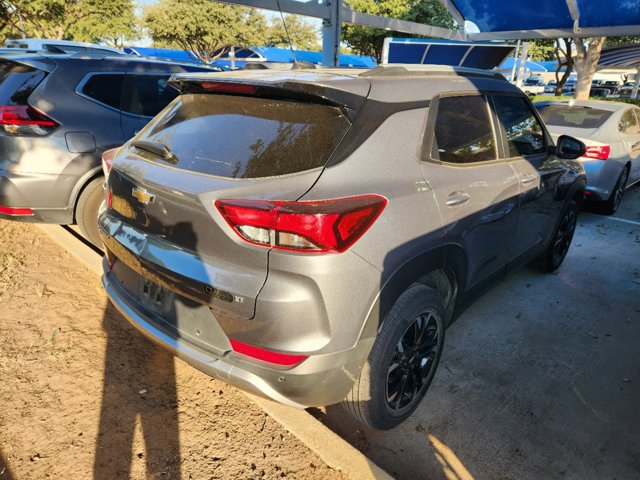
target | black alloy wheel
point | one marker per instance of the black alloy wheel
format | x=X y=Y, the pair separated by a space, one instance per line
x=564 y=235
x=616 y=196
x=413 y=362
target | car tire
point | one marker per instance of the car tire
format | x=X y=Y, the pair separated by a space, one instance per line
x=381 y=398
x=87 y=210
x=557 y=250
x=611 y=205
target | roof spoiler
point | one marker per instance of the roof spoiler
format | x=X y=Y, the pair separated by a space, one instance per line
x=284 y=89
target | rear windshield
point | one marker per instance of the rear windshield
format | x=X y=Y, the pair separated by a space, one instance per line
x=574 y=117
x=247 y=137
x=17 y=81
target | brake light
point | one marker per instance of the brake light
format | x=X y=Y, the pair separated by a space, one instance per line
x=224 y=87
x=16 y=212
x=309 y=226
x=107 y=160
x=282 y=359
x=25 y=120
x=600 y=152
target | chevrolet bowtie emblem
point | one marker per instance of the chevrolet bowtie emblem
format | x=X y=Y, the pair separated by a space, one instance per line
x=143 y=196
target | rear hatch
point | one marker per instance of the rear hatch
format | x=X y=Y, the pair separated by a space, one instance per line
x=21 y=122
x=252 y=138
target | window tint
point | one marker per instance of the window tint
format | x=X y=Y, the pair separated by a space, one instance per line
x=463 y=133
x=524 y=132
x=147 y=95
x=17 y=82
x=246 y=137
x=574 y=117
x=105 y=88
x=629 y=123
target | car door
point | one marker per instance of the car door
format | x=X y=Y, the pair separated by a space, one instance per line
x=144 y=96
x=631 y=136
x=538 y=173
x=475 y=191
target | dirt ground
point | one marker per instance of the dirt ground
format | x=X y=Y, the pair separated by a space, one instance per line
x=84 y=395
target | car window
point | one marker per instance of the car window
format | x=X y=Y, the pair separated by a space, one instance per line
x=246 y=137
x=105 y=88
x=524 y=132
x=147 y=95
x=629 y=123
x=573 y=116
x=462 y=131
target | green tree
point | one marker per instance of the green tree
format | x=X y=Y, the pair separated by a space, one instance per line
x=541 y=50
x=107 y=21
x=204 y=29
x=369 y=41
x=304 y=35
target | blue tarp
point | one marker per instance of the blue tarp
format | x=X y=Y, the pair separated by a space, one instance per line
x=270 y=54
x=530 y=66
x=502 y=16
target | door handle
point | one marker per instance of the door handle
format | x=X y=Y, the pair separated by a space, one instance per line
x=457 y=198
x=527 y=179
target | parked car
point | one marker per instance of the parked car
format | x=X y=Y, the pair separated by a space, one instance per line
x=58 y=113
x=59 y=46
x=533 y=86
x=304 y=236
x=611 y=131
x=550 y=87
x=569 y=86
x=627 y=89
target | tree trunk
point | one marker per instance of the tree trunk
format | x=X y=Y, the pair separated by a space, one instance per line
x=586 y=63
x=568 y=63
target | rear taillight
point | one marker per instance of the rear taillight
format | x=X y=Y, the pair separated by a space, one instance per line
x=600 y=152
x=269 y=356
x=25 y=120
x=309 y=226
x=107 y=160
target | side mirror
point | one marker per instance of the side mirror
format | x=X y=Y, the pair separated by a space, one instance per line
x=569 y=148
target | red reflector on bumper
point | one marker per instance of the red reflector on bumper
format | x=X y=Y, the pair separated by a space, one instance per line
x=276 y=358
x=15 y=212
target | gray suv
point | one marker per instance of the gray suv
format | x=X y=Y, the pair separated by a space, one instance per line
x=58 y=114
x=308 y=235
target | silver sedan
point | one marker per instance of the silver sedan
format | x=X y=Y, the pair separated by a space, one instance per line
x=611 y=131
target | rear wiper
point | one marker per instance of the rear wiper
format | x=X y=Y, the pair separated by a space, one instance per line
x=157 y=148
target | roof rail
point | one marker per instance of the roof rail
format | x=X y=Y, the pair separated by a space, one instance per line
x=404 y=70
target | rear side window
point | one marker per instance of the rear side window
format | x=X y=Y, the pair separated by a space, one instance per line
x=573 y=117
x=524 y=132
x=463 y=132
x=105 y=88
x=629 y=123
x=147 y=95
x=17 y=81
x=247 y=137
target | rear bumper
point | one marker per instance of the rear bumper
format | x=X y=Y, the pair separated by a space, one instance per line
x=319 y=380
x=33 y=191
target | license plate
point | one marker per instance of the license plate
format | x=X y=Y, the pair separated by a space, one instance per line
x=155 y=297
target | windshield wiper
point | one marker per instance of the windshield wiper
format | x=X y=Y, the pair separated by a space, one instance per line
x=157 y=148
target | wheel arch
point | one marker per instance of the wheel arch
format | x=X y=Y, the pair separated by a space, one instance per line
x=81 y=184
x=430 y=268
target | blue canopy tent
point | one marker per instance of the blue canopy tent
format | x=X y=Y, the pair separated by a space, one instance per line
x=445 y=52
x=497 y=19
x=256 y=54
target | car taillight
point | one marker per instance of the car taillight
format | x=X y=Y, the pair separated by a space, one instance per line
x=25 y=120
x=600 y=152
x=107 y=160
x=282 y=359
x=224 y=87
x=308 y=226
